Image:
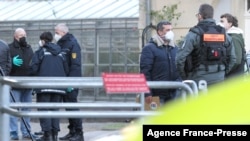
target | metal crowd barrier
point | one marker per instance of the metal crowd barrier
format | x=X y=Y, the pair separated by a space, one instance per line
x=7 y=108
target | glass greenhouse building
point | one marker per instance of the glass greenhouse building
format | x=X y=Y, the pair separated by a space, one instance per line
x=106 y=30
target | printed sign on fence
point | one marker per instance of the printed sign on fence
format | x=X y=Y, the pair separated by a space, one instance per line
x=125 y=83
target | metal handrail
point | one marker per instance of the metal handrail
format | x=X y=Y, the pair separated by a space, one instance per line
x=83 y=82
x=6 y=107
x=77 y=114
x=193 y=85
x=78 y=105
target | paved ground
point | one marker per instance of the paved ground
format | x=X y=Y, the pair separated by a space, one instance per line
x=92 y=129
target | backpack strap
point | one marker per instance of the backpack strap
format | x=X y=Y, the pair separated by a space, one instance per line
x=199 y=32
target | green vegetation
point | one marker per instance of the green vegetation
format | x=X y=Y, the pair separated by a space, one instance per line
x=166 y=13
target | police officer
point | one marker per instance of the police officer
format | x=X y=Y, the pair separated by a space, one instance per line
x=70 y=45
x=211 y=71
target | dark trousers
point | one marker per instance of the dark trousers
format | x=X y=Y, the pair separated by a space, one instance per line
x=75 y=124
x=49 y=124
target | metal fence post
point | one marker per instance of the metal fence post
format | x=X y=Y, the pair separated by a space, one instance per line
x=202 y=86
x=142 y=101
x=193 y=85
x=4 y=117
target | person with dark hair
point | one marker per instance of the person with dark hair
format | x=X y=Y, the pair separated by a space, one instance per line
x=70 y=45
x=207 y=52
x=157 y=61
x=230 y=23
x=49 y=61
x=21 y=54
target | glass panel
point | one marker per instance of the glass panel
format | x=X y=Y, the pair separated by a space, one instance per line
x=133 y=58
x=133 y=69
x=103 y=69
x=104 y=58
x=88 y=58
x=88 y=71
x=118 y=69
x=104 y=39
x=118 y=57
x=102 y=24
x=88 y=38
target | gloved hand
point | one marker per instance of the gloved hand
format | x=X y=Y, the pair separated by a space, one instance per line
x=17 y=61
x=70 y=89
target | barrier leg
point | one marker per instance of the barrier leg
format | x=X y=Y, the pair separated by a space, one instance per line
x=183 y=95
x=4 y=117
x=142 y=101
x=202 y=86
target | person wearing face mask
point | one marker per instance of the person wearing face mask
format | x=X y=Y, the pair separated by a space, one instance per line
x=70 y=45
x=157 y=62
x=230 y=23
x=21 y=54
x=207 y=52
x=49 y=61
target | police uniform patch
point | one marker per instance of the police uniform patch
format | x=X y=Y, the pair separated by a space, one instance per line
x=73 y=55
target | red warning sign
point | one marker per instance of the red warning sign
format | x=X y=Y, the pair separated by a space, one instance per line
x=125 y=83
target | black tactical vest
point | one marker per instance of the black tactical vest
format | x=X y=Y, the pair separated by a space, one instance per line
x=212 y=48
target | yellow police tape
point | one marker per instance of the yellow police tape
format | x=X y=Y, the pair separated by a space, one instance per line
x=225 y=103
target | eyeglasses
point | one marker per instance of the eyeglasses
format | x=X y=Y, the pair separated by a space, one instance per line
x=197 y=14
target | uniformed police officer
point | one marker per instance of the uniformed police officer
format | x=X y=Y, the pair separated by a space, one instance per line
x=70 y=45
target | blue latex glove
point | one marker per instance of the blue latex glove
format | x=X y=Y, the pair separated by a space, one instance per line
x=17 y=61
x=70 y=89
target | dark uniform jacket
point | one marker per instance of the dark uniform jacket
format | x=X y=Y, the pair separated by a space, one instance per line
x=70 y=45
x=5 y=60
x=49 y=61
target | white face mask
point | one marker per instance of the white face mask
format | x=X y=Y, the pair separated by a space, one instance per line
x=57 y=37
x=221 y=24
x=40 y=43
x=169 y=36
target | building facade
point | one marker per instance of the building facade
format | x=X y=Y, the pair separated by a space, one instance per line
x=188 y=9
